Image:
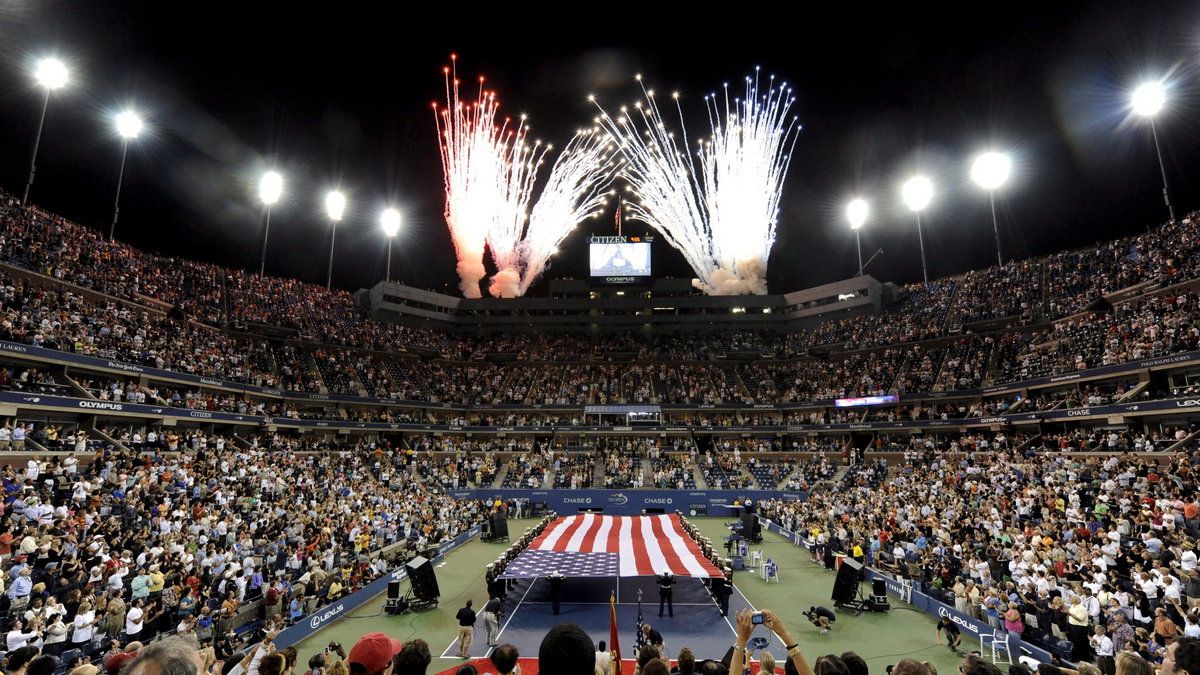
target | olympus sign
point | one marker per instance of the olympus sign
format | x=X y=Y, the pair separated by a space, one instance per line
x=318 y=619
x=101 y=405
x=991 y=420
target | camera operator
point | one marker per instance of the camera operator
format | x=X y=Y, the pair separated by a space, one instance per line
x=953 y=634
x=821 y=617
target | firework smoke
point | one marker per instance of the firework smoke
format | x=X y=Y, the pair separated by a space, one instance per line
x=721 y=211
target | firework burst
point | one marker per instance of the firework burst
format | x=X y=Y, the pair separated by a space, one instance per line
x=719 y=208
x=491 y=170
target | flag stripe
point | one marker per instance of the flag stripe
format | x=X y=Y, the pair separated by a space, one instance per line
x=662 y=535
x=549 y=537
x=575 y=542
x=625 y=542
x=643 y=545
x=678 y=548
x=600 y=542
x=640 y=544
x=588 y=540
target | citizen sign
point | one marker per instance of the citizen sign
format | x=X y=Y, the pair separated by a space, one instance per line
x=317 y=619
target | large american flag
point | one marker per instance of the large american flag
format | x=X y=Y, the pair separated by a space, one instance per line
x=593 y=545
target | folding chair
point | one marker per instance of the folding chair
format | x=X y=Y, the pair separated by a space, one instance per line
x=997 y=644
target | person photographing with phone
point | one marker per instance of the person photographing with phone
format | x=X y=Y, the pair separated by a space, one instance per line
x=747 y=622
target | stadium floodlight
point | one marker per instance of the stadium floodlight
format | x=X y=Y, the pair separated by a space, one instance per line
x=335 y=206
x=128 y=126
x=856 y=212
x=917 y=193
x=1147 y=101
x=51 y=74
x=990 y=171
x=390 y=221
x=1149 y=98
x=270 y=188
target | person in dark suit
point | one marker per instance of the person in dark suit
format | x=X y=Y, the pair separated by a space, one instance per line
x=666 y=581
x=556 y=580
x=722 y=590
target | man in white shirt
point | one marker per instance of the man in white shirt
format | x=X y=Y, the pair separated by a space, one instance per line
x=1103 y=645
x=133 y=620
x=16 y=638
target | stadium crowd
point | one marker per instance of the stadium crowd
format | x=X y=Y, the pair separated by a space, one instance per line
x=1076 y=546
x=186 y=321
x=195 y=534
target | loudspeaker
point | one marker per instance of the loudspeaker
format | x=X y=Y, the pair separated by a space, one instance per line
x=393 y=590
x=499 y=526
x=751 y=528
x=879 y=587
x=845 y=586
x=423 y=579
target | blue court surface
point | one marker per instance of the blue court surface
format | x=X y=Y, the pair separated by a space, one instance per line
x=528 y=614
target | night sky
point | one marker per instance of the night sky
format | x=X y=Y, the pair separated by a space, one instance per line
x=230 y=89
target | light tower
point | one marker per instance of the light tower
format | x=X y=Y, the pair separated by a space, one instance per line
x=917 y=193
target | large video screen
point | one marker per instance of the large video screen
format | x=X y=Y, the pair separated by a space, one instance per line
x=620 y=260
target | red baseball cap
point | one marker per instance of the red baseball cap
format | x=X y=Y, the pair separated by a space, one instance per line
x=374 y=651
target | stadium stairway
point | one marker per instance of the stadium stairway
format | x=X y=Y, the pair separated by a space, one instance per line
x=598 y=472
x=1135 y=391
x=1180 y=445
x=500 y=474
x=697 y=474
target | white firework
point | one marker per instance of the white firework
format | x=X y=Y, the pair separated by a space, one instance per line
x=574 y=192
x=721 y=211
x=490 y=173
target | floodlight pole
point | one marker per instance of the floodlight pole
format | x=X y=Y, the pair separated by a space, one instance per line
x=37 y=141
x=1161 y=167
x=921 y=239
x=262 y=265
x=858 y=241
x=389 y=259
x=332 y=241
x=120 y=178
x=995 y=227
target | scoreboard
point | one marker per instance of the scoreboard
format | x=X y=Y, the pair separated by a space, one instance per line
x=619 y=259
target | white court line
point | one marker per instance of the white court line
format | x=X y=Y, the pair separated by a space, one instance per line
x=627 y=604
x=514 y=610
x=733 y=628
x=453 y=643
